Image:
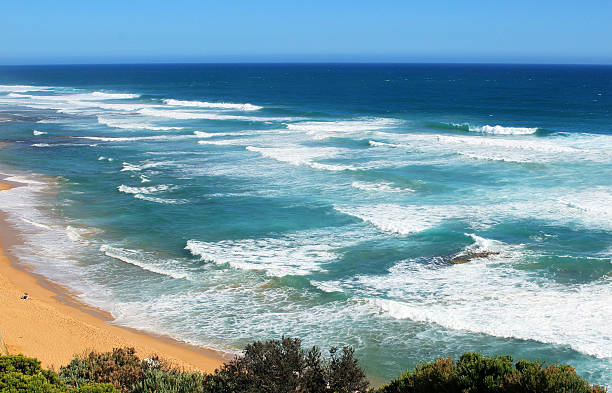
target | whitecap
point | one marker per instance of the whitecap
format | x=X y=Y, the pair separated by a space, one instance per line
x=212 y=105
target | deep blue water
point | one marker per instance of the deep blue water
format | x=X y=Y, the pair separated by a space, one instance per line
x=224 y=203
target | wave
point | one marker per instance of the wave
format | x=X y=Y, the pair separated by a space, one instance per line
x=22 y=88
x=144 y=261
x=213 y=105
x=136 y=138
x=401 y=220
x=201 y=134
x=147 y=165
x=164 y=201
x=486 y=129
x=37 y=133
x=144 y=190
x=490 y=296
x=130 y=124
x=380 y=187
x=99 y=95
x=333 y=129
x=303 y=156
x=228 y=142
x=298 y=255
x=187 y=115
x=501 y=130
x=344 y=125
x=386 y=144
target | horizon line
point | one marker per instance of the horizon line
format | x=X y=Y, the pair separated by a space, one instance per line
x=304 y=63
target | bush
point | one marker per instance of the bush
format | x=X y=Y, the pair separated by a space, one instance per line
x=157 y=380
x=120 y=368
x=283 y=366
x=22 y=374
x=474 y=373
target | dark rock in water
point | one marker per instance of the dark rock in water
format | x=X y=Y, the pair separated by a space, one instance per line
x=468 y=256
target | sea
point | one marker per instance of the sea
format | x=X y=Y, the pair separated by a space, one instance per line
x=411 y=211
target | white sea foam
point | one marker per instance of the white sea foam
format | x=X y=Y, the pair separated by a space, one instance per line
x=379 y=187
x=163 y=201
x=191 y=115
x=386 y=144
x=22 y=88
x=212 y=105
x=289 y=255
x=137 y=138
x=41 y=145
x=144 y=190
x=37 y=133
x=344 y=126
x=402 y=220
x=304 y=156
x=488 y=295
x=146 y=262
x=522 y=149
x=94 y=96
x=201 y=134
x=133 y=124
x=147 y=165
x=348 y=128
x=501 y=130
x=227 y=142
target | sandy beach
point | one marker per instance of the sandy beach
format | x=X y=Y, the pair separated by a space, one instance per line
x=53 y=326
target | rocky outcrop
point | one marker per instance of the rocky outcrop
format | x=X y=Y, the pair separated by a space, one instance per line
x=468 y=256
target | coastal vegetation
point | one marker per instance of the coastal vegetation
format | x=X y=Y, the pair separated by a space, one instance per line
x=283 y=366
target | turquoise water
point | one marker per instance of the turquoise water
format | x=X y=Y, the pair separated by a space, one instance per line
x=219 y=204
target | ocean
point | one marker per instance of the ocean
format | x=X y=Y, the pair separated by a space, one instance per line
x=219 y=204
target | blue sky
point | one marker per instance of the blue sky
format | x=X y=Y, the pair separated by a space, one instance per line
x=110 y=31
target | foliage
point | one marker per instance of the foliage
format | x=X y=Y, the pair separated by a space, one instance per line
x=121 y=368
x=474 y=373
x=283 y=366
x=22 y=374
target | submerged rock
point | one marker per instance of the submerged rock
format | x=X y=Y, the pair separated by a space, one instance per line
x=471 y=255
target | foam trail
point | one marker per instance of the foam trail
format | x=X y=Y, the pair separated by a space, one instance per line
x=489 y=296
x=303 y=156
x=344 y=126
x=501 y=130
x=133 y=125
x=144 y=190
x=143 y=261
x=189 y=115
x=289 y=255
x=212 y=105
x=22 y=88
x=164 y=201
x=379 y=187
x=402 y=220
x=37 y=133
x=148 y=165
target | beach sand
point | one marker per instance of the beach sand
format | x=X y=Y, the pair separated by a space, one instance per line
x=53 y=326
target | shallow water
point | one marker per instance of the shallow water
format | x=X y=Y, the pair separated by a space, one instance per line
x=224 y=203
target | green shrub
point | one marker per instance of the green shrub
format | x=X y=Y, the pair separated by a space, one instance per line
x=121 y=368
x=17 y=382
x=283 y=366
x=157 y=380
x=474 y=373
x=22 y=374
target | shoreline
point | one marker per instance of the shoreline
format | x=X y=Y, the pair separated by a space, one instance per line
x=54 y=326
